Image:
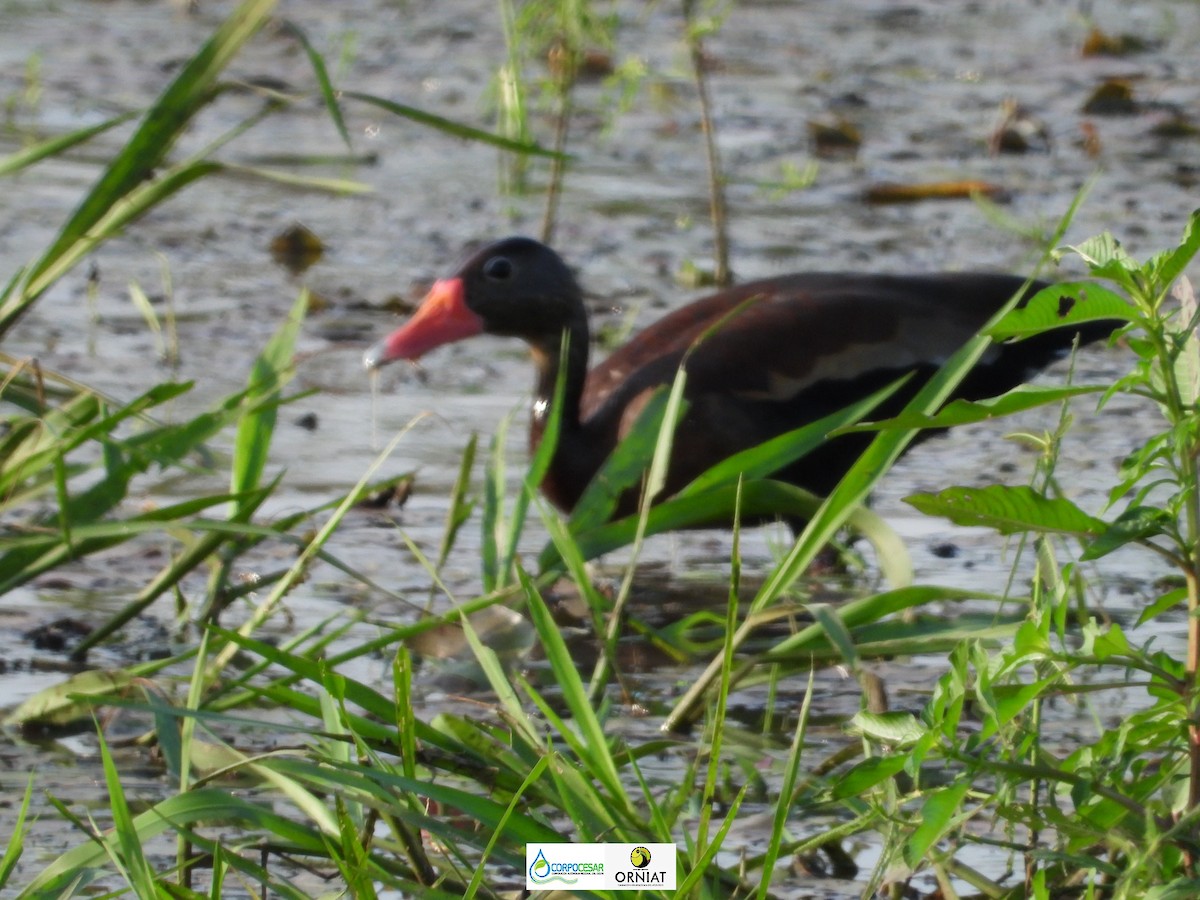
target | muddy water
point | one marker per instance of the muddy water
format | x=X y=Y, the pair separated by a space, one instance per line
x=923 y=82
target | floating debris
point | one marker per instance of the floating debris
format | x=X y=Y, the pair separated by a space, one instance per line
x=894 y=192
x=839 y=138
x=1101 y=43
x=1112 y=98
x=296 y=249
x=1018 y=131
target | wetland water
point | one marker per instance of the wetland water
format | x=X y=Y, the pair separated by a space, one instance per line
x=923 y=82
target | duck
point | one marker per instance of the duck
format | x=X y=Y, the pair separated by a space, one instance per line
x=761 y=358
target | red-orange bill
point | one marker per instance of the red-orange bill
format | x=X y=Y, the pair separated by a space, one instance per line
x=442 y=318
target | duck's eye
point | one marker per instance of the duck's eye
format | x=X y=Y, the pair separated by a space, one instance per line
x=498 y=268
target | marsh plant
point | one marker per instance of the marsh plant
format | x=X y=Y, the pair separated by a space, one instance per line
x=353 y=789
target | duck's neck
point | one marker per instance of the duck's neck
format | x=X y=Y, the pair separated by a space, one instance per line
x=568 y=358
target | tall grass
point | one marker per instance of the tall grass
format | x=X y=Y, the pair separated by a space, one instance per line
x=361 y=784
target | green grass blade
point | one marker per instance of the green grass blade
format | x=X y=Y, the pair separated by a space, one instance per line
x=162 y=124
x=460 y=506
x=771 y=456
x=660 y=458
x=132 y=858
x=303 y=182
x=455 y=129
x=52 y=147
x=215 y=805
x=535 y=774
x=119 y=212
x=326 y=86
x=599 y=759
x=968 y=412
x=760 y=499
x=538 y=466
x=783 y=806
x=493 y=521
x=15 y=844
x=624 y=468
x=701 y=868
x=191 y=558
x=256 y=425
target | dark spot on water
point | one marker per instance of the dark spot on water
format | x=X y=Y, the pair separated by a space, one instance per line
x=395 y=494
x=59 y=635
x=296 y=248
x=308 y=421
x=945 y=551
x=1114 y=97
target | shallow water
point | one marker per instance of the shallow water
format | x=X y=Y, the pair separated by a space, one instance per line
x=923 y=82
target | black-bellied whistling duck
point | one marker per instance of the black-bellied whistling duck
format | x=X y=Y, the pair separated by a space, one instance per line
x=808 y=345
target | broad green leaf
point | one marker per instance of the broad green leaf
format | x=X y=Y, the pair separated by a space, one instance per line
x=1062 y=305
x=941 y=812
x=1105 y=257
x=70 y=700
x=1187 y=359
x=1106 y=642
x=1169 y=600
x=1010 y=701
x=866 y=774
x=896 y=729
x=1008 y=510
x=1172 y=264
x=1138 y=523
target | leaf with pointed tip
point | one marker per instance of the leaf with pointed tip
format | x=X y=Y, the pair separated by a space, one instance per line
x=328 y=94
x=1105 y=257
x=71 y=700
x=1008 y=510
x=455 y=129
x=43 y=149
x=968 y=412
x=1170 y=265
x=1135 y=524
x=942 y=811
x=1062 y=305
x=866 y=774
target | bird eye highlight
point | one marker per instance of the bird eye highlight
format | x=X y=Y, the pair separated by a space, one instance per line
x=498 y=268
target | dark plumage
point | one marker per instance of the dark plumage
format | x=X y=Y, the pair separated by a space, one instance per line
x=805 y=346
